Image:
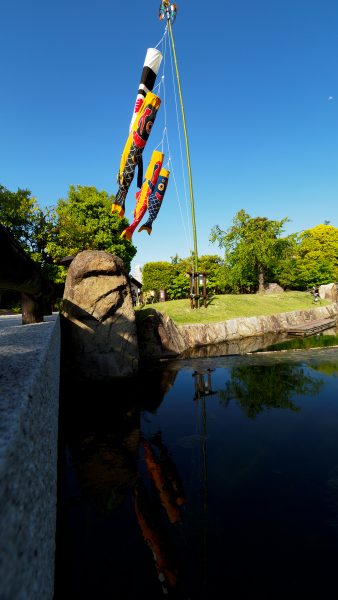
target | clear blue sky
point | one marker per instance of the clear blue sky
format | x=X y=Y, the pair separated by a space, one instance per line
x=260 y=89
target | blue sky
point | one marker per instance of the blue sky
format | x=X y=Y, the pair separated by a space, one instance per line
x=260 y=90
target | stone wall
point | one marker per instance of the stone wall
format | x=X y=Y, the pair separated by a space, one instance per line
x=29 y=402
x=159 y=337
x=234 y=329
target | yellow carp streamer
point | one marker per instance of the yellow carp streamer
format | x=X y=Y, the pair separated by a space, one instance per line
x=142 y=196
x=132 y=152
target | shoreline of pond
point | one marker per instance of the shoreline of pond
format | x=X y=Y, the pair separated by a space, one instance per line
x=159 y=337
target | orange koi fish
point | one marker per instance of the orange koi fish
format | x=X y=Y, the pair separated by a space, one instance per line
x=158 y=477
x=143 y=194
x=170 y=470
x=167 y=572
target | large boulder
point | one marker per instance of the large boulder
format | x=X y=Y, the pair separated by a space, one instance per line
x=98 y=325
x=329 y=292
x=273 y=288
x=158 y=336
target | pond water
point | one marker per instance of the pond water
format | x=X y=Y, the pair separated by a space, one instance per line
x=202 y=478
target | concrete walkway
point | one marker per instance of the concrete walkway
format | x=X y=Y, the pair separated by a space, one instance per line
x=29 y=401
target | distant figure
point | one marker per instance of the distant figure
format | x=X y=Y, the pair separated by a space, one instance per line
x=315 y=293
x=134 y=297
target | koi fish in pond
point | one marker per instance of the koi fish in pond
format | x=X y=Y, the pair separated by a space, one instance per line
x=162 y=484
x=170 y=470
x=155 y=537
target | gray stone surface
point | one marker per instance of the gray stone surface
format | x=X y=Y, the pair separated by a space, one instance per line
x=98 y=325
x=29 y=401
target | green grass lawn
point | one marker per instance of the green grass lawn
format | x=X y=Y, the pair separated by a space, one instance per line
x=222 y=308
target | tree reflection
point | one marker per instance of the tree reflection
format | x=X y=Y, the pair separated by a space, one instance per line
x=257 y=388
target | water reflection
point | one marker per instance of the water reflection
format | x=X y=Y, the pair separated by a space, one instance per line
x=257 y=388
x=240 y=346
x=167 y=483
x=163 y=492
x=265 y=343
x=155 y=537
x=165 y=477
x=203 y=385
x=327 y=339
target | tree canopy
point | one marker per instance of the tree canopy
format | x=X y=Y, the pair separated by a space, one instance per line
x=316 y=257
x=20 y=213
x=157 y=275
x=252 y=247
x=83 y=221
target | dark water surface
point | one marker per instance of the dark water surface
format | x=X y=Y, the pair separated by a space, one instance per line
x=203 y=478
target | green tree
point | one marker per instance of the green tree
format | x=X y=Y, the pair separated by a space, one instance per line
x=175 y=259
x=20 y=213
x=174 y=276
x=252 y=247
x=315 y=259
x=158 y=275
x=83 y=221
x=179 y=287
x=212 y=265
x=30 y=225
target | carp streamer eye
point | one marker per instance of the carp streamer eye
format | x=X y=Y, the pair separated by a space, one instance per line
x=148 y=127
x=161 y=187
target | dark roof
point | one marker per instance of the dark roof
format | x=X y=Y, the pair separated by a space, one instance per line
x=135 y=282
x=65 y=261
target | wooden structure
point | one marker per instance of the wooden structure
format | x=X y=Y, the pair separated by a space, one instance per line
x=311 y=327
x=197 y=279
x=20 y=273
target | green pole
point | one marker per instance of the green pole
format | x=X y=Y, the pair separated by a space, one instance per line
x=187 y=151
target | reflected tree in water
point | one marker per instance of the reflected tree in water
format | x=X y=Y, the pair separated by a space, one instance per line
x=257 y=388
x=322 y=340
x=327 y=368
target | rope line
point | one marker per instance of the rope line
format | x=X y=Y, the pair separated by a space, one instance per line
x=162 y=38
x=170 y=163
x=187 y=150
x=181 y=153
x=165 y=139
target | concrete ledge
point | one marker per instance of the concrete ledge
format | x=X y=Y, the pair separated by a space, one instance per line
x=29 y=401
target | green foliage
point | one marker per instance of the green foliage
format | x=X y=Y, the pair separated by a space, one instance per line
x=252 y=248
x=213 y=266
x=179 y=287
x=31 y=226
x=315 y=259
x=83 y=221
x=174 y=276
x=16 y=213
x=21 y=213
x=158 y=275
